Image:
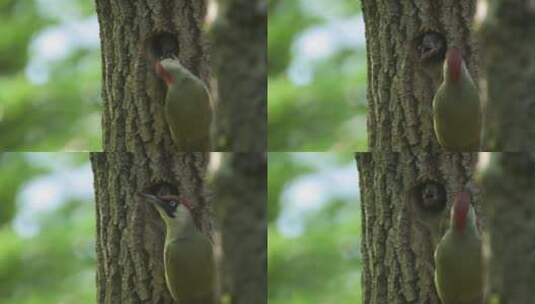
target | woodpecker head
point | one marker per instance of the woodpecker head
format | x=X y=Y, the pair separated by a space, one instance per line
x=170 y=70
x=172 y=209
x=453 y=65
x=462 y=212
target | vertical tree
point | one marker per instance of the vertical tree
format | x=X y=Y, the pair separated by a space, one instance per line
x=240 y=36
x=129 y=236
x=405 y=201
x=509 y=192
x=406 y=196
x=508 y=40
x=139 y=151
x=133 y=118
x=129 y=247
x=241 y=192
x=406 y=42
x=130 y=233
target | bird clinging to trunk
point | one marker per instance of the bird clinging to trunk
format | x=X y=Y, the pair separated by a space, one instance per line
x=456 y=107
x=188 y=108
x=458 y=256
x=188 y=254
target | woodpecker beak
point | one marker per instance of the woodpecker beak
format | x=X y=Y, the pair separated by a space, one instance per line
x=153 y=199
x=161 y=205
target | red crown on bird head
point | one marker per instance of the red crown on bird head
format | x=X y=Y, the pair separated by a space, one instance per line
x=461 y=205
x=454 y=59
x=167 y=77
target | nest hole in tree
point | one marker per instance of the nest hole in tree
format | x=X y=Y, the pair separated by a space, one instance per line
x=161 y=188
x=429 y=197
x=161 y=45
x=430 y=47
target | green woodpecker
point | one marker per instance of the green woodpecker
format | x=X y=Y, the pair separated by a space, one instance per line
x=456 y=108
x=188 y=109
x=458 y=258
x=188 y=255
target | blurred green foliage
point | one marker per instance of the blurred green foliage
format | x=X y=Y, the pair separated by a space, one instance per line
x=57 y=264
x=20 y=21
x=282 y=170
x=321 y=265
x=329 y=111
x=60 y=111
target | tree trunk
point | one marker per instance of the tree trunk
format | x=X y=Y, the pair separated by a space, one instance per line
x=509 y=192
x=405 y=201
x=406 y=43
x=508 y=41
x=241 y=193
x=240 y=36
x=133 y=96
x=140 y=155
x=130 y=233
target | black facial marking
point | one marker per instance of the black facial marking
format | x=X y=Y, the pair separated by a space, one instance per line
x=169 y=210
x=169 y=206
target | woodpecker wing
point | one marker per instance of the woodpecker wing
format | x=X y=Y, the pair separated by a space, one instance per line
x=457 y=116
x=189 y=114
x=189 y=268
x=458 y=273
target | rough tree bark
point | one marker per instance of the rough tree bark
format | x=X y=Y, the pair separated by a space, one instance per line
x=240 y=38
x=509 y=192
x=405 y=202
x=130 y=233
x=508 y=41
x=406 y=42
x=140 y=154
x=241 y=191
x=132 y=117
x=406 y=196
